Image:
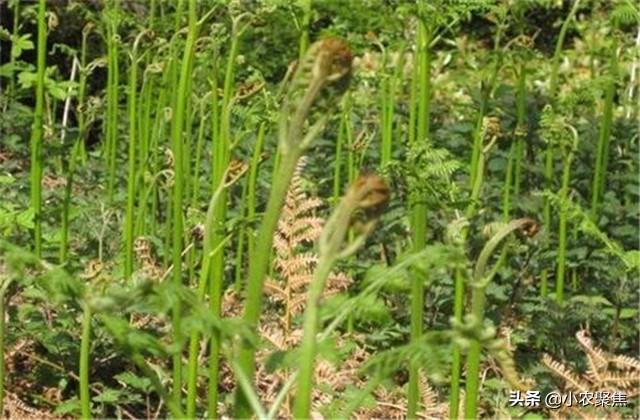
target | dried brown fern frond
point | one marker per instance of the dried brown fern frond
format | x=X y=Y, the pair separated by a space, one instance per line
x=571 y=380
x=15 y=408
x=626 y=362
x=606 y=373
x=149 y=267
x=294 y=263
x=428 y=395
x=596 y=357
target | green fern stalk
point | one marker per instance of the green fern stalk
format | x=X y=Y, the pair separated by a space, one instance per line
x=419 y=208
x=388 y=99
x=252 y=180
x=76 y=155
x=337 y=169
x=514 y=165
x=155 y=158
x=3 y=289
x=351 y=146
x=459 y=282
x=456 y=356
x=179 y=109
x=304 y=27
x=113 y=79
x=145 y=106
x=331 y=248
x=82 y=93
x=548 y=166
x=131 y=167
x=221 y=162
x=37 y=130
x=484 y=104
x=520 y=125
x=245 y=234
x=326 y=62
x=195 y=195
x=480 y=282
x=85 y=348
x=604 y=136
x=564 y=198
x=208 y=252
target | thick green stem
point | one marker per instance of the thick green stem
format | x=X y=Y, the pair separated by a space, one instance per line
x=520 y=127
x=456 y=357
x=564 y=209
x=330 y=249
x=131 y=167
x=562 y=234
x=337 y=169
x=221 y=162
x=113 y=77
x=252 y=179
x=207 y=253
x=37 y=131
x=604 y=136
x=304 y=28
x=248 y=209
x=308 y=345
x=3 y=289
x=459 y=285
x=484 y=104
x=259 y=264
x=389 y=89
x=419 y=207
x=548 y=167
x=85 y=347
x=318 y=68
x=177 y=202
x=480 y=283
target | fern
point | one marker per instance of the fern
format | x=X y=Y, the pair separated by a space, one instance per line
x=429 y=171
x=298 y=227
x=630 y=259
x=625 y=14
x=606 y=372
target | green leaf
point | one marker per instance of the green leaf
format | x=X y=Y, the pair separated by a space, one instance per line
x=109 y=395
x=7 y=180
x=27 y=79
x=7 y=69
x=627 y=313
x=70 y=406
x=591 y=300
x=25 y=218
x=129 y=379
x=21 y=43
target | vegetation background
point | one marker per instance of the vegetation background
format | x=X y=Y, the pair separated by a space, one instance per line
x=327 y=209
